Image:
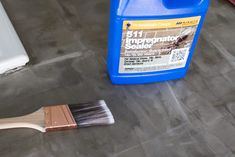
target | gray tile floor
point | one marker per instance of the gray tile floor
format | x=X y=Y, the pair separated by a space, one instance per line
x=67 y=40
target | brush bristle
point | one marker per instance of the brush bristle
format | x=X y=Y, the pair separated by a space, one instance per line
x=91 y=114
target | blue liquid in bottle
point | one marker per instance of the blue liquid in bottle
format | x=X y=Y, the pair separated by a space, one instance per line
x=153 y=40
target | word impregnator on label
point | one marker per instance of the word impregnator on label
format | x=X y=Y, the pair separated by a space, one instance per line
x=156 y=45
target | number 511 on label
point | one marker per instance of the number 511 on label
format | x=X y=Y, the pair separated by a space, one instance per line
x=134 y=34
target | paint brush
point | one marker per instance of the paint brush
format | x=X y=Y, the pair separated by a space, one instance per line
x=63 y=117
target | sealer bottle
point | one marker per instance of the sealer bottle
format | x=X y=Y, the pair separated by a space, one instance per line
x=153 y=40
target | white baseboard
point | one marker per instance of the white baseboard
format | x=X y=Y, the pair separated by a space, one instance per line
x=12 y=52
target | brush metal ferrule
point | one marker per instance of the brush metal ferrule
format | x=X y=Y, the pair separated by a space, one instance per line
x=59 y=118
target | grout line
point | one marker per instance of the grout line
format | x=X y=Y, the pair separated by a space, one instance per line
x=126 y=150
x=59 y=59
x=220 y=47
x=178 y=105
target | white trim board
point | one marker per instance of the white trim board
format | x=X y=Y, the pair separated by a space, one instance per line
x=12 y=52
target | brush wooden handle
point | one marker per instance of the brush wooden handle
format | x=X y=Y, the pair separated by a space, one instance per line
x=34 y=120
x=61 y=117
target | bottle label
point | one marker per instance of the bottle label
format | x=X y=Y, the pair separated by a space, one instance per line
x=156 y=45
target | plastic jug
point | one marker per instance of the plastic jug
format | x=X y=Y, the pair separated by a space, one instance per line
x=152 y=40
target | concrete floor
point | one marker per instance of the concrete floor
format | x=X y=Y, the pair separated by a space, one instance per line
x=67 y=40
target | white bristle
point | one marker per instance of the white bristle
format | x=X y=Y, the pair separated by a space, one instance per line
x=110 y=116
x=90 y=114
